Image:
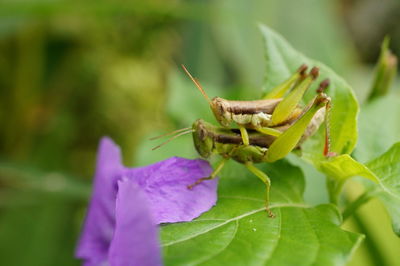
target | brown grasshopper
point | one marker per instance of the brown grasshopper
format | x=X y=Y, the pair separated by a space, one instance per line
x=209 y=139
x=266 y=114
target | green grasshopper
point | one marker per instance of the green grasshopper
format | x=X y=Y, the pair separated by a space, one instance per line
x=209 y=140
x=266 y=114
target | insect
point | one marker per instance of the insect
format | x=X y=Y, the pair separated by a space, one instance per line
x=266 y=114
x=209 y=139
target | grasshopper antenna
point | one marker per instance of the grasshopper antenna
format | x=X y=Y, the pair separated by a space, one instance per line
x=172 y=138
x=197 y=83
x=170 y=133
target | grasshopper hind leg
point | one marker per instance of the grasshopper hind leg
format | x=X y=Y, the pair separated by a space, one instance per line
x=269 y=131
x=267 y=183
x=213 y=174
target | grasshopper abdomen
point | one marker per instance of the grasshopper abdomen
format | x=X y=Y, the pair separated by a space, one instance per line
x=251 y=114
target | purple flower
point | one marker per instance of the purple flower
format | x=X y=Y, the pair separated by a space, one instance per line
x=127 y=203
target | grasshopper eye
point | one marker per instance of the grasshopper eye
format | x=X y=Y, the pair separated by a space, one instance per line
x=202 y=134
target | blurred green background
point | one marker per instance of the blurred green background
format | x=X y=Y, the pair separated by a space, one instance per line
x=73 y=71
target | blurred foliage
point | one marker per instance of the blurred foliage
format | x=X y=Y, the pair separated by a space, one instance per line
x=65 y=77
x=73 y=71
x=368 y=22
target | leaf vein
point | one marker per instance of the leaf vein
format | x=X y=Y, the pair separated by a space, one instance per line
x=279 y=238
x=224 y=248
x=231 y=220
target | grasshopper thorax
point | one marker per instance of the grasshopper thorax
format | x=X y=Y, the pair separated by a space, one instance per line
x=252 y=114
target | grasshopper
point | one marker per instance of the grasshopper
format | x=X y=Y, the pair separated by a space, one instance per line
x=209 y=140
x=266 y=114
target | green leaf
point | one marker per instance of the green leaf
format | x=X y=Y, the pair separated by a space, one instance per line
x=339 y=169
x=281 y=61
x=379 y=127
x=239 y=40
x=344 y=166
x=387 y=169
x=384 y=171
x=237 y=231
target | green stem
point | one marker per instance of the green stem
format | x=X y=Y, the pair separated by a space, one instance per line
x=334 y=189
x=371 y=244
x=352 y=207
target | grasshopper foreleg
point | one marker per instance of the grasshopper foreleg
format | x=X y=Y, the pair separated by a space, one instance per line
x=213 y=174
x=245 y=135
x=260 y=174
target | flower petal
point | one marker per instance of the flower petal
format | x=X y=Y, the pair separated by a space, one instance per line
x=165 y=184
x=99 y=225
x=135 y=240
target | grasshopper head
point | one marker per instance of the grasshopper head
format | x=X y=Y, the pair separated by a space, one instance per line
x=219 y=107
x=201 y=138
